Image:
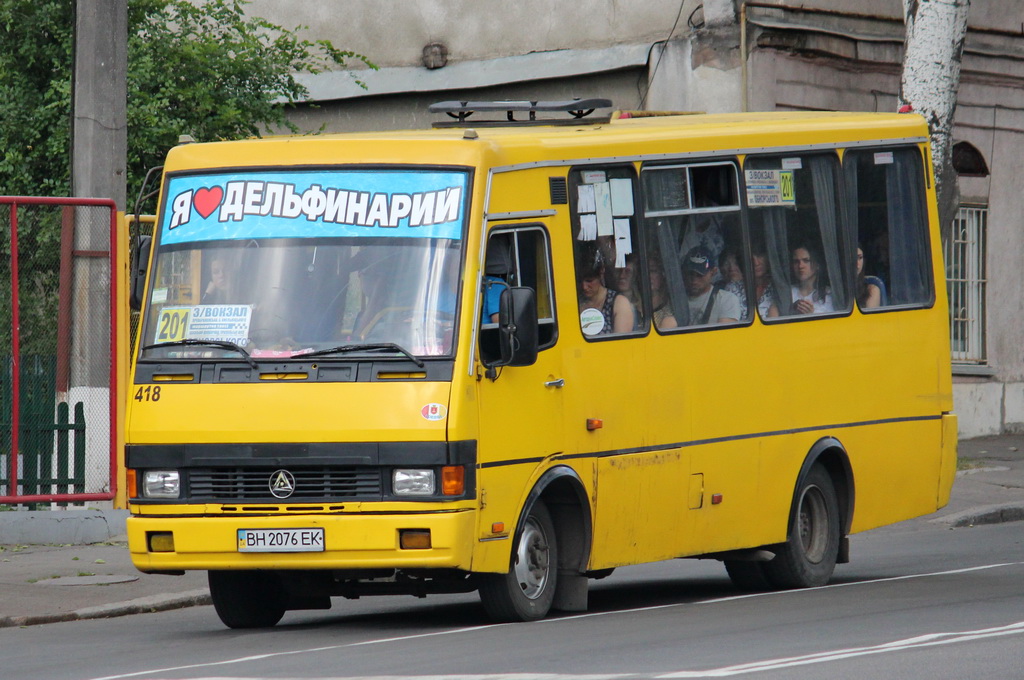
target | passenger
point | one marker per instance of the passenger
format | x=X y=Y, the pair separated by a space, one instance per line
x=811 y=293
x=731 y=278
x=625 y=284
x=497 y=267
x=869 y=288
x=709 y=304
x=661 y=305
x=764 y=291
x=616 y=312
x=216 y=291
x=704 y=229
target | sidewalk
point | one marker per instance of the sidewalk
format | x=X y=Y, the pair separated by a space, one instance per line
x=66 y=581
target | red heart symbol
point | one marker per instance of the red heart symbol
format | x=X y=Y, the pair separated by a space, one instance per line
x=207 y=200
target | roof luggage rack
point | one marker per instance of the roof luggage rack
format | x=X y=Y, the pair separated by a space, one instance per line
x=577 y=108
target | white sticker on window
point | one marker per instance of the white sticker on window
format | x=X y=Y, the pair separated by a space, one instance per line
x=792 y=163
x=591 y=321
x=883 y=158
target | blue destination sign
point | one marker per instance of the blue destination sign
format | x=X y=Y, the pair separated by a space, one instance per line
x=313 y=204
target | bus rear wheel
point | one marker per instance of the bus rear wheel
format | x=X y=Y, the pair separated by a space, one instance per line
x=747 y=576
x=246 y=599
x=526 y=592
x=809 y=555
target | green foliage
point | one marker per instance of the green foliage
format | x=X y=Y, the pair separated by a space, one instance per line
x=35 y=96
x=202 y=68
x=199 y=67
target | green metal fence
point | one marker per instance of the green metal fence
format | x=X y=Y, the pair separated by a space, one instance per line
x=51 y=435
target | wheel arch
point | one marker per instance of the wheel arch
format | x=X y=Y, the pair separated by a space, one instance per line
x=566 y=498
x=832 y=455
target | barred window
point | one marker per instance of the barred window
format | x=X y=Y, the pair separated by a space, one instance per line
x=965 y=282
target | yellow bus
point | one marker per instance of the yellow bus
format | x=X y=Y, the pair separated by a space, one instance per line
x=511 y=356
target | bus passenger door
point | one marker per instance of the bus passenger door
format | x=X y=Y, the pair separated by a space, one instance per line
x=521 y=407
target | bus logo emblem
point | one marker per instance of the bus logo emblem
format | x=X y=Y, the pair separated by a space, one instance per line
x=282 y=484
x=434 y=411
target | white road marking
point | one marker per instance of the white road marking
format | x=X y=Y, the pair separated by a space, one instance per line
x=757 y=666
x=929 y=640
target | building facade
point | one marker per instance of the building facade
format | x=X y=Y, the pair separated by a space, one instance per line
x=720 y=56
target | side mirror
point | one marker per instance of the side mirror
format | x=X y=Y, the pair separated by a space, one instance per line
x=517 y=326
x=140 y=258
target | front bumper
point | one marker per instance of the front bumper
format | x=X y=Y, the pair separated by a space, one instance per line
x=351 y=541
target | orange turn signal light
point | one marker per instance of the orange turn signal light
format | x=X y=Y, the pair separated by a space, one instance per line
x=132 y=483
x=414 y=539
x=594 y=424
x=453 y=480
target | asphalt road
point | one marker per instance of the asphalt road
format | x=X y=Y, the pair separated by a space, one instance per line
x=919 y=600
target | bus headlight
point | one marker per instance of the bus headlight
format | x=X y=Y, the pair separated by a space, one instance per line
x=412 y=482
x=161 y=484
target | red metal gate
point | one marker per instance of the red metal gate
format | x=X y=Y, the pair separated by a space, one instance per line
x=58 y=349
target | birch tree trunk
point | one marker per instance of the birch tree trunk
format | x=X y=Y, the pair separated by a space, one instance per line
x=932 y=52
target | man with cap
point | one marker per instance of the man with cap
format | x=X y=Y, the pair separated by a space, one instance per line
x=708 y=303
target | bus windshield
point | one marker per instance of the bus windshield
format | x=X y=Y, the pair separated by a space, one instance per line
x=285 y=264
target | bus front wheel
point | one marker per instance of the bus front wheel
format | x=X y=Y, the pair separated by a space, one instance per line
x=526 y=592
x=246 y=599
x=809 y=555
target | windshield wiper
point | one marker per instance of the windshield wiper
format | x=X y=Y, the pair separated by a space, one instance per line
x=224 y=344
x=369 y=347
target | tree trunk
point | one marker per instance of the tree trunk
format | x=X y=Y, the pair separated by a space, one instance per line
x=932 y=51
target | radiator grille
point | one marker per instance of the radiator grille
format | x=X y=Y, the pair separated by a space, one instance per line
x=233 y=484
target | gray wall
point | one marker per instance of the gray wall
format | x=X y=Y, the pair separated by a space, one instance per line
x=803 y=55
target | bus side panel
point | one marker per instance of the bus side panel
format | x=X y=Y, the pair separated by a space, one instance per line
x=745 y=501
x=642 y=514
x=894 y=459
x=502 y=493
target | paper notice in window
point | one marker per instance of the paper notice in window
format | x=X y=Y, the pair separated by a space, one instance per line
x=622 y=197
x=588 y=227
x=623 y=241
x=766 y=188
x=585 y=198
x=603 y=204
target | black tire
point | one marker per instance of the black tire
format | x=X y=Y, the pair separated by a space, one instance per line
x=526 y=592
x=747 y=575
x=809 y=555
x=246 y=599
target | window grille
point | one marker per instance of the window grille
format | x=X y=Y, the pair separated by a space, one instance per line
x=965 y=281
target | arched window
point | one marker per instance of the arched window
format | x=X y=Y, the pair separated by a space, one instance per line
x=968 y=161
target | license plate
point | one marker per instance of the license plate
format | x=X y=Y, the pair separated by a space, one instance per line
x=280 y=540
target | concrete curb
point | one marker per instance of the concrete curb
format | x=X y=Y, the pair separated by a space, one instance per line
x=61 y=527
x=152 y=603
x=985 y=514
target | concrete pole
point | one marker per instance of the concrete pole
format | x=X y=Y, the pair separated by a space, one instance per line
x=99 y=143
x=99 y=156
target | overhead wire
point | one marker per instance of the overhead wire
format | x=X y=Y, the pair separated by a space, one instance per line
x=643 y=93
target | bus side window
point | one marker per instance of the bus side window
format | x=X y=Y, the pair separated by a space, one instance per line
x=517 y=257
x=612 y=301
x=695 y=244
x=888 y=214
x=795 y=220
